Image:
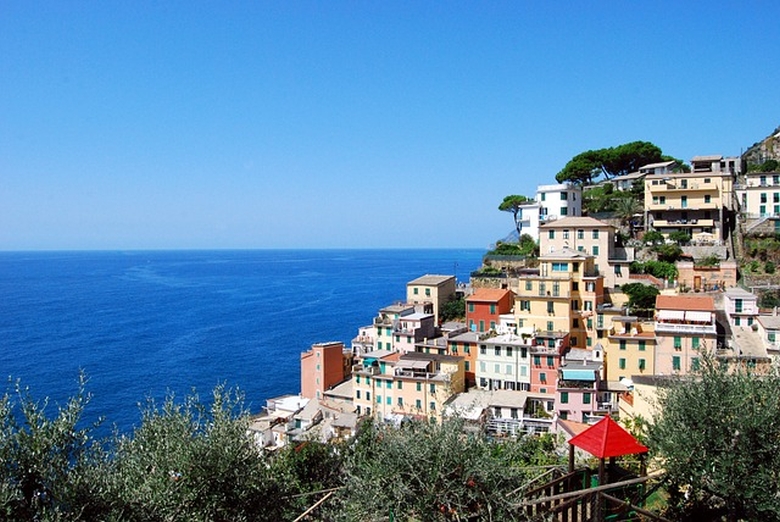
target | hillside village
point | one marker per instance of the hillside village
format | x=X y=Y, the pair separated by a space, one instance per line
x=552 y=344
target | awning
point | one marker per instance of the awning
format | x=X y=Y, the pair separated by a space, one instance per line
x=699 y=317
x=421 y=365
x=578 y=375
x=671 y=315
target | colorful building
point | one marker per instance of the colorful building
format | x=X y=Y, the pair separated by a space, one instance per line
x=324 y=366
x=485 y=306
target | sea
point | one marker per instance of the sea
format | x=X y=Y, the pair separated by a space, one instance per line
x=145 y=325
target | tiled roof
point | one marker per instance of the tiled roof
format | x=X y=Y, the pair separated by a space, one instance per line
x=488 y=294
x=700 y=303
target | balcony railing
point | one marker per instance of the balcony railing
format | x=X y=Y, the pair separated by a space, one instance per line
x=685 y=328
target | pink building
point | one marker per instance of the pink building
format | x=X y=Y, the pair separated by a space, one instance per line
x=546 y=352
x=324 y=366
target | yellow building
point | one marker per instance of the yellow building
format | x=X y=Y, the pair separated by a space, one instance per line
x=630 y=348
x=698 y=203
x=431 y=291
x=563 y=297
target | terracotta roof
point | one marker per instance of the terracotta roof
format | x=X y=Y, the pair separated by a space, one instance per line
x=606 y=439
x=700 y=303
x=488 y=294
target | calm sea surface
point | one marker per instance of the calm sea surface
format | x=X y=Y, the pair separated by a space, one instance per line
x=143 y=324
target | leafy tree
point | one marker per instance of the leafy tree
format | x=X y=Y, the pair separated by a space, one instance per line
x=717 y=439
x=641 y=297
x=668 y=252
x=625 y=209
x=528 y=246
x=680 y=237
x=660 y=269
x=653 y=237
x=43 y=459
x=453 y=309
x=587 y=166
x=429 y=471
x=514 y=204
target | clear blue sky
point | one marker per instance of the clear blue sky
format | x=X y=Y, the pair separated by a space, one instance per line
x=191 y=124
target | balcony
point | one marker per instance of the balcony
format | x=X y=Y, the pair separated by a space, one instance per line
x=683 y=328
x=677 y=223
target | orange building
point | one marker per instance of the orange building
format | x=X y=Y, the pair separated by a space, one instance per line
x=484 y=307
x=324 y=366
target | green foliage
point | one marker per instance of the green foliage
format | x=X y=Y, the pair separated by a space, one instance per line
x=770 y=165
x=660 y=269
x=653 y=237
x=668 y=252
x=453 y=309
x=680 y=237
x=514 y=204
x=769 y=299
x=641 y=297
x=429 y=471
x=769 y=267
x=526 y=247
x=717 y=439
x=711 y=260
x=587 y=166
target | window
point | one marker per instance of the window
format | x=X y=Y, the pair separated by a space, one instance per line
x=556 y=289
x=492 y=308
x=566 y=234
x=525 y=305
x=368 y=396
x=415 y=291
x=595 y=234
x=400 y=385
x=641 y=346
x=575 y=323
x=550 y=307
x=467 y=366
x=551 y=234
x=641 y=364
x=379 y=399
x=482 y=366
x=595 y=250
x=550 y=361
x=695 y=343
x=427 y=292
x=357 y=394
x=432 y=388
x=418 y=404
x=550 y=326
x=543 y=377
x=481 y=325
x=482 y=349
x=575 y=304
x=497 y=350
x=508 y=369
x=509 y=351
x=560 y=267
x=564 y=397
x=389 y=401
x=389 y=384
x=580 y=234
x=677 y=343
x=684 y=201
x=622 y=344
x=738 y=305
x=763 y=197
x=586 y=398
x=357 y=379
x=564 y=196
x=694 y=363
x=471 y=308
x=622 y=363
x=537 y=360
x=574 y=341
x=707 y=198
x=575 y=286
x=529 y=286
x=676 y=363
x=400 y=402
x=497 y=368
x=419 y=386
x=433 y=406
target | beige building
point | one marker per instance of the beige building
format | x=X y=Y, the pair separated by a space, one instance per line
x=698 y=202
x=630 y=348
x=432 y=292
x=562 y=297
x=591 y=236
x=390 y=386
x=758 y=194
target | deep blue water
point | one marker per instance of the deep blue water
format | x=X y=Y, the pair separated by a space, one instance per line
x=144 y=324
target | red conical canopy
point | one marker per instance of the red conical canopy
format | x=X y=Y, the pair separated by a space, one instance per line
x=606 y=439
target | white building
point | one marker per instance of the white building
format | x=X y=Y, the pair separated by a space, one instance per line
x=503 y=363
